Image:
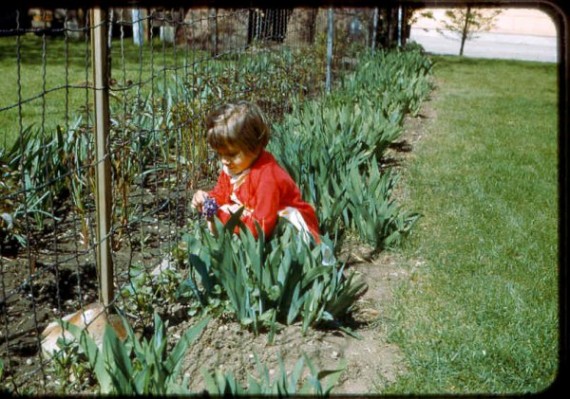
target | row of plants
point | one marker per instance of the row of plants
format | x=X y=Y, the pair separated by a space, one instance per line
x=333 y=146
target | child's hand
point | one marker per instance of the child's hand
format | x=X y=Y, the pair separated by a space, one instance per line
x=198 y=200
x=204 y=204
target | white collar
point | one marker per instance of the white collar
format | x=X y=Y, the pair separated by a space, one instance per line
x=236 y=179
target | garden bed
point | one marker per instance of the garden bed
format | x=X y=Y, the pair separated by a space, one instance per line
x=369 y=360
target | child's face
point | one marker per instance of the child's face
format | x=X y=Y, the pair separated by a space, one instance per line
x=236 y=160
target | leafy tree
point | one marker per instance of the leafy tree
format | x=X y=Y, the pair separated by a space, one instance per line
x=465 y=23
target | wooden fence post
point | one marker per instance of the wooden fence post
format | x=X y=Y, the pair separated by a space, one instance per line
x=103 y=162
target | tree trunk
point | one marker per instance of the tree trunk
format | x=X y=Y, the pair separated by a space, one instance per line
x=465 y=30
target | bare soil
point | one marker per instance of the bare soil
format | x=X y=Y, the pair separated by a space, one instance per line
x=33 y=293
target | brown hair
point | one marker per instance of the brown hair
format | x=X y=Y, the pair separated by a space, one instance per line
x=241 y=124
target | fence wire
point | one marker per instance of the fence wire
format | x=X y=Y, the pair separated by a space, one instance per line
x=168 y=68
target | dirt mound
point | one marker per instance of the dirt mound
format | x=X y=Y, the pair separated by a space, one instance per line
x=369 y=360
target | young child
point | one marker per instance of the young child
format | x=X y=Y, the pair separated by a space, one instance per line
x=251 y=177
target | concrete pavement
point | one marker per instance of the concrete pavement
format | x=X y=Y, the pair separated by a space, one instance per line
x=490 y=45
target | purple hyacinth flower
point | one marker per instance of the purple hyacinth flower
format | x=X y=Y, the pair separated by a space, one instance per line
x=209 y=208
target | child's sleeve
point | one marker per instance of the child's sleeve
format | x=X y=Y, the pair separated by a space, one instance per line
x=222 y=190
x=221 y=193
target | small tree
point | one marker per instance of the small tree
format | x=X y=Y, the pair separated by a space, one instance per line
x=465 y=23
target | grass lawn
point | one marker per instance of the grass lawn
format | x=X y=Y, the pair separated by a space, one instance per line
x=480 y=312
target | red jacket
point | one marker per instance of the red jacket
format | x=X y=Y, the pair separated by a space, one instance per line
x=265 y=191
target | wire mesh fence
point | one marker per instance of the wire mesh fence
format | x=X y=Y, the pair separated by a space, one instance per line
x=163 y=71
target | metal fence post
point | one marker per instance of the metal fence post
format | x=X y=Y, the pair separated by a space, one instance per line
x=138 y=30
x=400 y=25
x=103 y=163
x=374 y=28
x=330 y=37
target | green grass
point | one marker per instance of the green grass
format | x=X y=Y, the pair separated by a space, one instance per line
x=480 y=312
x=48 y=76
